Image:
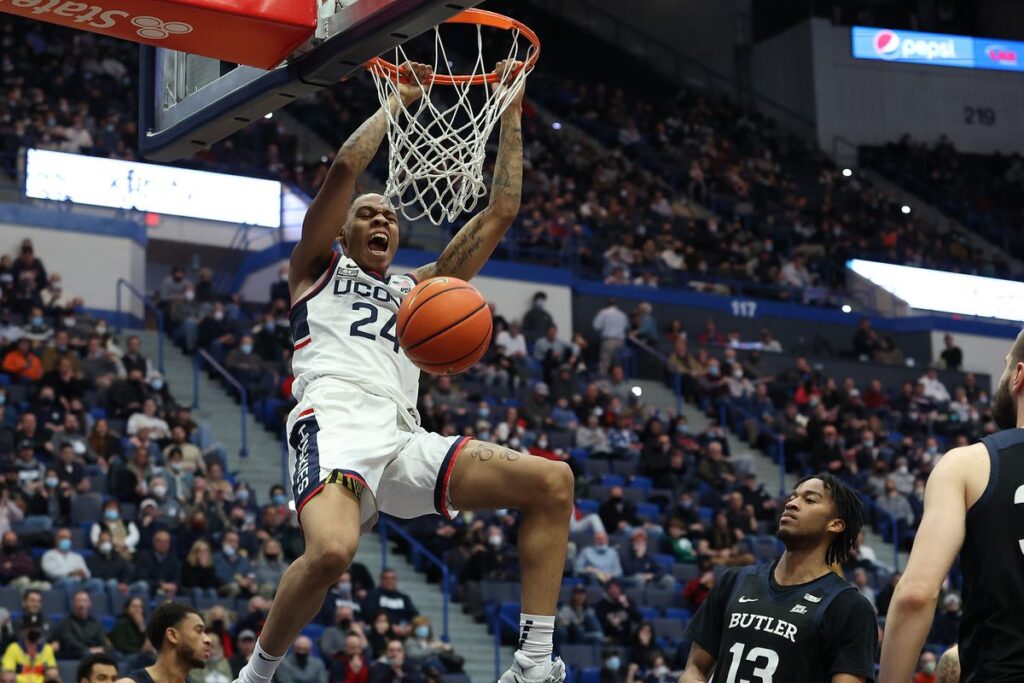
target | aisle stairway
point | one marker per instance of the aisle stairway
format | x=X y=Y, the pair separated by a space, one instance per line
x=262 y=467
x=471 y=640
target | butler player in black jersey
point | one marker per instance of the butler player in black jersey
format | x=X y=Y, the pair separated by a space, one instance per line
x=179 y=637
x=793 y=621
x=973 y=505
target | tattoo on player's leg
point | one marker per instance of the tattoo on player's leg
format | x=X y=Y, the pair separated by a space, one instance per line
x=509 y=454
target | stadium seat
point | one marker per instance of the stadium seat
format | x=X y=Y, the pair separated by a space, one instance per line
x=55 y=601
x=68 y=669
x=86 y=508
x=10 y=598
x=661 y=598
x=588 y=506
x=672 y=629
x=648 y=512
x=580 y=656
x=612 y=480
x=591 y=675
x=685 y=571
x=680 y=613
x=649 y=613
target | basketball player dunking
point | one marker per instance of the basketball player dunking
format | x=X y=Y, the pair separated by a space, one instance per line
x=794 y=621
x=179 y=636
x=356 y=446
x=973 y=505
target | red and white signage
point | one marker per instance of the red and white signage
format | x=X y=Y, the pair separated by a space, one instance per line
x=259 y=33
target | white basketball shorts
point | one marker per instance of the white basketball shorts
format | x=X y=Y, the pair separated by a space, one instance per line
x=340 y=434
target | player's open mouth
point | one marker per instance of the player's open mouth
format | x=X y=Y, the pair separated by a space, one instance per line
x=378 y=243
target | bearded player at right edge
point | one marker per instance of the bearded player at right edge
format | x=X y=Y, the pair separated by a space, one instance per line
x=973 y=505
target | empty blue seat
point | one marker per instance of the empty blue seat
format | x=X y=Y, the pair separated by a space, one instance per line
x=590 y=675
x=612 y=480
x=649 y=613
x=642 y=483
x=588 y=506
x=680 y=613
x=666 y=562
x=648 y=512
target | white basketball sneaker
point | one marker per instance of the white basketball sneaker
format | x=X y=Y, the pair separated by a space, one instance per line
x=524 y=670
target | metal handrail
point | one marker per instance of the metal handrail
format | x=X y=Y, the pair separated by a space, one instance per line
x=201 y=356
x=499 y=619
x=147 y=303
x=385 y=525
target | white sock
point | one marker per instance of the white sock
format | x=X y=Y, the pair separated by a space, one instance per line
x=261 y=666
x=535 y=637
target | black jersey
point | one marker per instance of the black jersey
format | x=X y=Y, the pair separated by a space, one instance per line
x=992 y=558
x=759 y=631
x=142 y=676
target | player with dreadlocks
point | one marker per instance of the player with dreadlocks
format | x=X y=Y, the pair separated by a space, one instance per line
x=794 y=620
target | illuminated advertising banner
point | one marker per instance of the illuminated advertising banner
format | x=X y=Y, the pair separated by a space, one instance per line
x=938 y=290
x=936 y=49
x=150 y=187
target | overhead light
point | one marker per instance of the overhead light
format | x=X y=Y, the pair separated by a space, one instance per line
x=847 y=308
x=269 y=115
x=847 y=172
x=557 y=125
x=637 y=391
x=905 y=209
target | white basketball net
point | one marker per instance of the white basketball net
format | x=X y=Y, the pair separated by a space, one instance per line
x=437 y=145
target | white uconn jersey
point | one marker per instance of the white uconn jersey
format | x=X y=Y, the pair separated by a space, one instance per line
x=344 y=327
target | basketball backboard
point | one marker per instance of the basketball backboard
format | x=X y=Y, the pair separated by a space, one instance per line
x=188 y=102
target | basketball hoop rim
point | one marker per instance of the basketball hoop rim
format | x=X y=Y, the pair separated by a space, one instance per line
x=479 y=17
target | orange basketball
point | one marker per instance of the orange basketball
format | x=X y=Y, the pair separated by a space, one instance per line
x=444 y=325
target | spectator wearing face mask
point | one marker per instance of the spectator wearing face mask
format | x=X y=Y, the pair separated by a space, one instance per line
x=617 y=513
x=611 y=668
x=29 y=657
x=112 y=568
x=599 y=561
x=269 y=567
x=215 y=333
x=123 y=533
x=65 y=567
x=234 y=571
x=537 y=321
x=422 y=648
x=926 y=666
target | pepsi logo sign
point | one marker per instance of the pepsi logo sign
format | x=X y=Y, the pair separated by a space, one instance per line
x=887 y=44
x=1000 y=54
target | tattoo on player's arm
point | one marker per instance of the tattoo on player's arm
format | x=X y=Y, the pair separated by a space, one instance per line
x=482 y=453
x=948 y=669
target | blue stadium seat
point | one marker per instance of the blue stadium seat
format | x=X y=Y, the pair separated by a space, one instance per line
x=680 y=613
x=642 y=483
x=648 y=512
x=581 y=454
x=591 y=675
x=666 y=562
x=649 y=613
x=612 y=480
x=588 y=506
x=706 y=514
x=107 y=621
x=596 y=467
x=55 y=600
x=672 y=629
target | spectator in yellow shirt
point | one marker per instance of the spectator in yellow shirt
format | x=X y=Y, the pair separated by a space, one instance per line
x=27 y=659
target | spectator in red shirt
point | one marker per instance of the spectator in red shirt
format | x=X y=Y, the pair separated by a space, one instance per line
x=22 y=363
